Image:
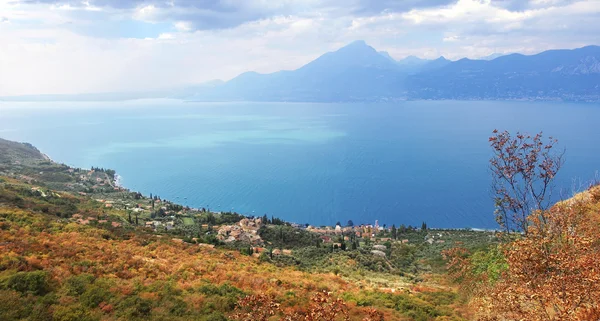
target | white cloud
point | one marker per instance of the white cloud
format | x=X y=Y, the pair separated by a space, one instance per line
x=164 y=36
x=183 y=26
x=450 y=38
x=49 y=51
x=146 y=13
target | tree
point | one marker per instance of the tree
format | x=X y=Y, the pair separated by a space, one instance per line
x=350 y=223
x=394 y=232
x=424 y=226
x=338 y=223
x=523 y=169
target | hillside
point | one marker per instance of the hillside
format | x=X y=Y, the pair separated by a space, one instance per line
x=112 y=254
x=74 y=255
x=13 y=152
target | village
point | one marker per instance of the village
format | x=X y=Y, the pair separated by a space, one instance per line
x=122 y=208
x=202 y=225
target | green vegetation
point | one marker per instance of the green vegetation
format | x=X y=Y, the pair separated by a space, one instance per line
x=76 y=247
x=284 y=236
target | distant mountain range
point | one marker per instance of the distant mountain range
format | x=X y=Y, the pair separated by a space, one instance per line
x=358 y=72
x=550 y=75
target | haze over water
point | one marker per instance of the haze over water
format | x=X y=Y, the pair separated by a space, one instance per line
x=400 y=163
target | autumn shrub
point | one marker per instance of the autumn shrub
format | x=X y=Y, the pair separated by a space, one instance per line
x=94 y=295
x=13 y=306
x=224 y=289
x=77 y=285
x=36 y=282
x=322 y=307
x=475 y=271
x=439 y=298
x=553 y=271
x=411 y=306
x=73 y=312
x=176 y=306
x=12 y=261
x=134 y=307
x=213 y=316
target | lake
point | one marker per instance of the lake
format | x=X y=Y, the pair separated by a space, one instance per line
x=401 y=163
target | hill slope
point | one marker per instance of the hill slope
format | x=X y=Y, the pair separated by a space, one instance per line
x=72 y=255
x=12 y=151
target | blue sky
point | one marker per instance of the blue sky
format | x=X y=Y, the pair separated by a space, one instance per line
x=72 y=46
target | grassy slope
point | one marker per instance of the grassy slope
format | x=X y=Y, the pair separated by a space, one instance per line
x=13 y=152
x=88 y=271
x=51 y=267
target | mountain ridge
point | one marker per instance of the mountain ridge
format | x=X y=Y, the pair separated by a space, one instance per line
x=358 y=72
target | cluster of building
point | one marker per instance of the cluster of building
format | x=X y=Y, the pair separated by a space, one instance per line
x=363 y=230
x=246 y=230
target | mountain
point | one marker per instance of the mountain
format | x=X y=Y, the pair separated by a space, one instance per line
x=434 y=64
x=358 y=72
x=492 y=56
x=412 y=64
x=354 y=72
x=554 y=74
x=387 y=55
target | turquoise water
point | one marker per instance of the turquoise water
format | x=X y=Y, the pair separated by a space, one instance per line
x=400 y=163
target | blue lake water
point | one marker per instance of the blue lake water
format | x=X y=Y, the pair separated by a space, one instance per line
x=400 y=163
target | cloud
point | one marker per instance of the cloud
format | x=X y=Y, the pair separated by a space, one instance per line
x=219 y=14
x=197 y=14
x=59 y=46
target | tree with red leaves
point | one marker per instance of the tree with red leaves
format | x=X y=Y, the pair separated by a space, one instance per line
x=523 y=169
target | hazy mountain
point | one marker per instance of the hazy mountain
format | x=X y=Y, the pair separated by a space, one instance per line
x=434 y=64
x=492 y=56
x=354 y=72
x=387 y=55
x=358 y=72
x=413 y=60
x=554 y=74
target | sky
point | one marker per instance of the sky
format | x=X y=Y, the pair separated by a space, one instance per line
x=72 y=46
